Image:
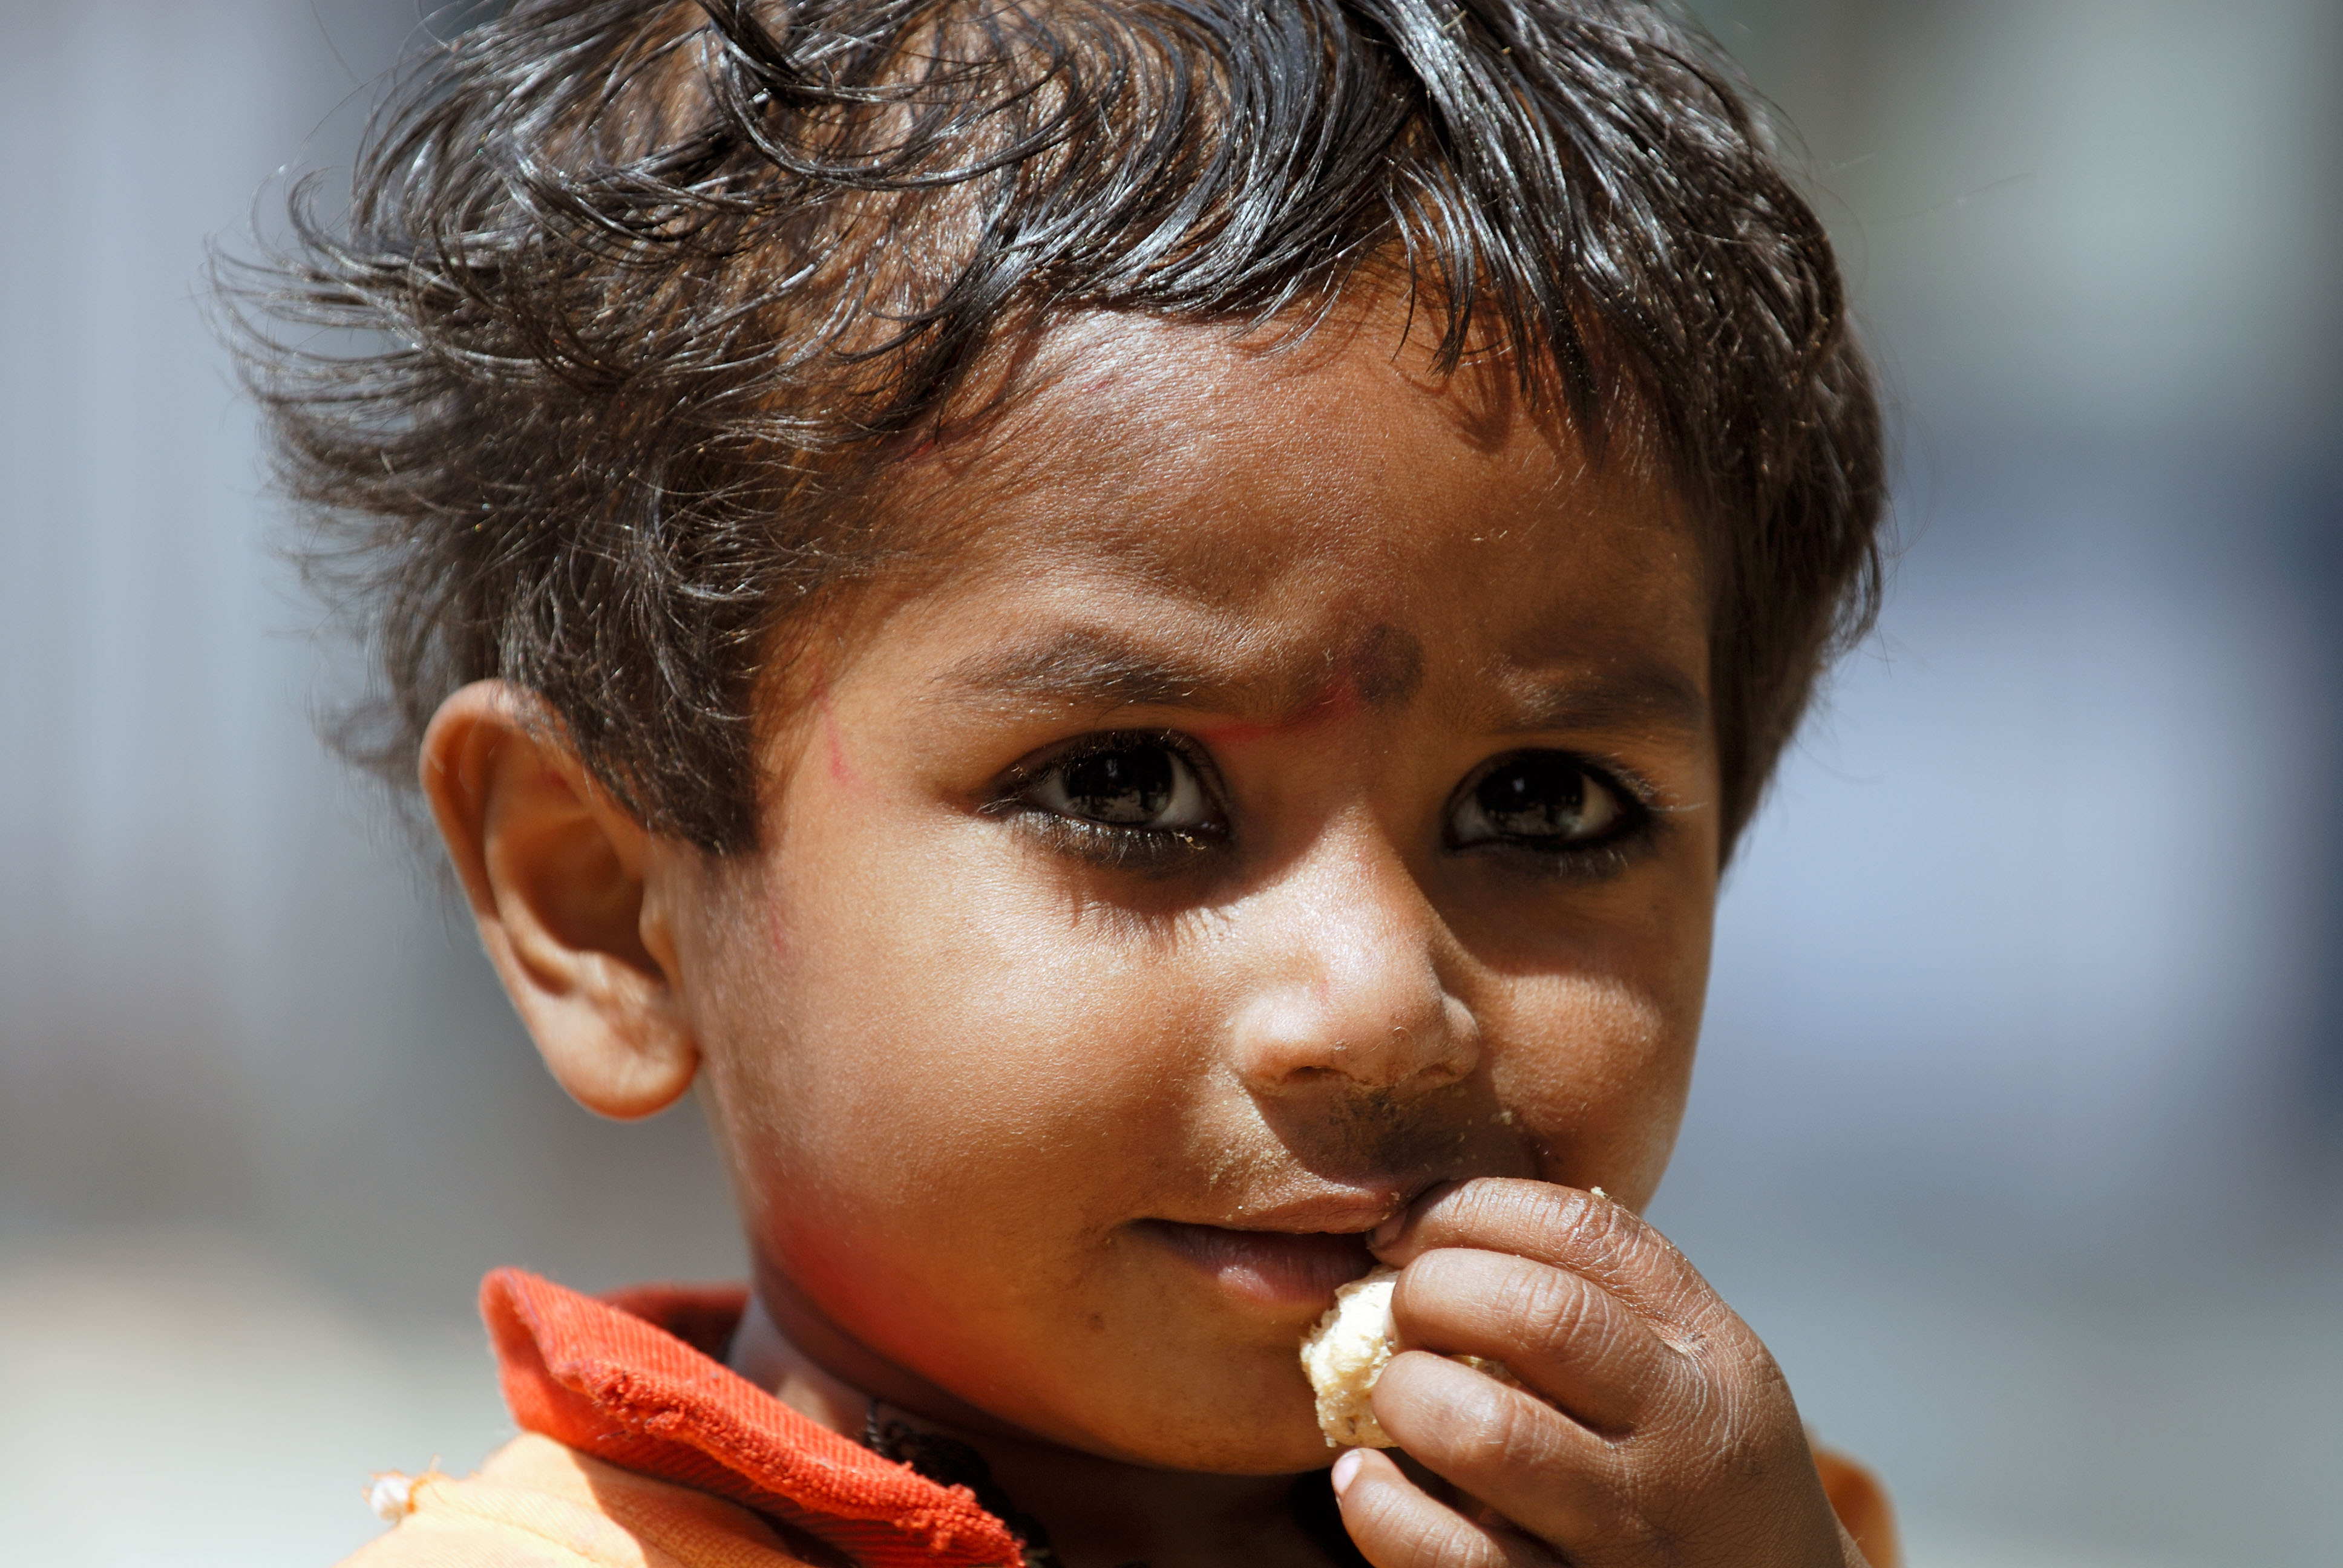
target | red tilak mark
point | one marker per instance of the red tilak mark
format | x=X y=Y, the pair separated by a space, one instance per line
x=1335 y=700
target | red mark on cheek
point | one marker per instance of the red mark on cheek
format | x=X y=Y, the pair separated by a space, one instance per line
x=777 y=928
x=833 y=744
x=841 y=771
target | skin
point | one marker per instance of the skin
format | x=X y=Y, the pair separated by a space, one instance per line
x=1060 y=1141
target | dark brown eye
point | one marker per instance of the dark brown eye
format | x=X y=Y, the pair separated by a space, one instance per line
x=1138 y=783
x=1121 y=787
x=1540 y=799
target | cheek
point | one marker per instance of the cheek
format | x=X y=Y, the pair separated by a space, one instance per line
x=1598 y=1070
x=941 y=1145
x=1595 y=1033
x=912 y=1034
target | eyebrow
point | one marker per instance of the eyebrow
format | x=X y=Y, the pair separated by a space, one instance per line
x=1642 y=697
x=1086 y=667
x=1089 y=669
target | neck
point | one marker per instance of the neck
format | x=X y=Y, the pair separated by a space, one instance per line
x=770 y=1359
x=1100 y=1512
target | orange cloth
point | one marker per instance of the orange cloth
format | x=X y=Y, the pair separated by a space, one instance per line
x=536 y=1505
x=1862 y=1506
x=642 y=1450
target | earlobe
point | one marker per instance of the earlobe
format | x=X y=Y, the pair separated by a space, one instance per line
x=572 y=895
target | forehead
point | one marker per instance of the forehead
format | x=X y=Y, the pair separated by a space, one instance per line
x=1309 y=500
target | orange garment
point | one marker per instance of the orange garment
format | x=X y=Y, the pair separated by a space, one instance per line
x=641 y=1450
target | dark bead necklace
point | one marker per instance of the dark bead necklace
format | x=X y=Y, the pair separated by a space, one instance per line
x=949 y=1461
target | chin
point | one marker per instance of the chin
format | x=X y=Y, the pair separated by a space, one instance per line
x=1243 y=1436
x=1238 y=1454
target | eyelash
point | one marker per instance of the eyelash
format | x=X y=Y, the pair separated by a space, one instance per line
x=1104 y=845
x=1598 y=861
x=1642 y=815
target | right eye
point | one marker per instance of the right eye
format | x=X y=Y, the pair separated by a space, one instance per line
x=1134 y=802
x=1131 y=782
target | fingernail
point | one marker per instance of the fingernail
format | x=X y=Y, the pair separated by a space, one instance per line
x=1346 y=1468
x=1384 y=1234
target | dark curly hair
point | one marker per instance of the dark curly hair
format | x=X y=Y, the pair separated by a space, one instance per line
x=592 y=388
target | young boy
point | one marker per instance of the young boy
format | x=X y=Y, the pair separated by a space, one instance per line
x=1135 y=633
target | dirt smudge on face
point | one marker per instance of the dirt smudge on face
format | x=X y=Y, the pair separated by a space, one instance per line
x=1387 y=667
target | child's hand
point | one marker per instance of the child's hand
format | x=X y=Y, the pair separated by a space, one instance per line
x=1670 y=1438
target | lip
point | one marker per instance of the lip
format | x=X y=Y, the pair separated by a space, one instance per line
x=1288 y=1247
x=1278 y=1268
x=1342 y=1211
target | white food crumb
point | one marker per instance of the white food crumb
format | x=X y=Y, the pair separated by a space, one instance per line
x=1344 y=1355
x=392 y=1495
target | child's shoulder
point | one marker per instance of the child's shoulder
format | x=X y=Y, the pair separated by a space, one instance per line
x=537 y=1503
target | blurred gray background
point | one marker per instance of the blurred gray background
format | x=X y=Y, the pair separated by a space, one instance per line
x=2020 y=1128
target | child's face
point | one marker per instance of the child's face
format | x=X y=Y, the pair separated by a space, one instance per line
x=1296 y=789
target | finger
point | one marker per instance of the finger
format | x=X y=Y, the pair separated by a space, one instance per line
x=1565 y=1337
x=1589 y=1235
x=1396 y=1524
x=1523 y=1458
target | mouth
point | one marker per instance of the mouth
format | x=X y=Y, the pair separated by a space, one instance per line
x=1284 y=1268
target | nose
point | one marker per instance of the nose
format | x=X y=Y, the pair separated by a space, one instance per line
x=1345 y=994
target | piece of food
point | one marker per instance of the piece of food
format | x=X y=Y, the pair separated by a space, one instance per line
x=1348 y=1351
x=1344 y=1355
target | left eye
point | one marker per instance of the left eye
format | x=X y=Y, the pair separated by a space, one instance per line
x=1538 y=800
x=1138 y=783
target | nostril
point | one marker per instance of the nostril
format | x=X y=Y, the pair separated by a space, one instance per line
x=1387 y=1025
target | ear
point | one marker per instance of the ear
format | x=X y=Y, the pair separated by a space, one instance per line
x=571 y=894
